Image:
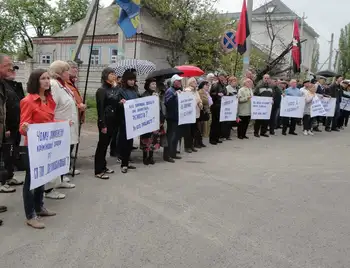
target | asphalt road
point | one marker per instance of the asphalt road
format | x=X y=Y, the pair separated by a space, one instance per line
x=278 y=202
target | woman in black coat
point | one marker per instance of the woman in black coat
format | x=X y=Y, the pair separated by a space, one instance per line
x=107 y=100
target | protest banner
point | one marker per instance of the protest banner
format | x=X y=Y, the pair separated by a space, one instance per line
x=261 y=108
x=187 y=108
x=317 y=108
x=228 y=110
x=292 y=107
x=48 y=152
x=345 y=104
x=328 y=105
x=141 y=116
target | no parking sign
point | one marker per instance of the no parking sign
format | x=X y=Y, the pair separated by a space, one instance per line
x=228 y=42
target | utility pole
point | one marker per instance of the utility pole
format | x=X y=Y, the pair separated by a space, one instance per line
x=337 y=64
x=246 y=56
x=331 y=53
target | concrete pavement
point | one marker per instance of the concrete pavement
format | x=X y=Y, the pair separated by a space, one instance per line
x=279 y=202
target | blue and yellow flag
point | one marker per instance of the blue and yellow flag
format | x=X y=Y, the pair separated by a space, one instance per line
x=129 y=19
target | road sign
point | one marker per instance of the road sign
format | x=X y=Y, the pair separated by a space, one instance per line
x=228 y=42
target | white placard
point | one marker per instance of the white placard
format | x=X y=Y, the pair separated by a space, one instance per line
x=345 y=104
x=317 y=108
x=328 y=105
x=292 y=107
x=48 y=152
x=141 y=116
x=187 y=108
x=228 y=109
x=261 y=108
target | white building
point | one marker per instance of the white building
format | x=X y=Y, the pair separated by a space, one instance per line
x=151 y=44
x=274 y=21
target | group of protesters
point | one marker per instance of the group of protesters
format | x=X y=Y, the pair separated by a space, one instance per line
x=53 y=96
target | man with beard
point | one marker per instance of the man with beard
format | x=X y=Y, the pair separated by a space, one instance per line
x=263 y=89
x=216 y=92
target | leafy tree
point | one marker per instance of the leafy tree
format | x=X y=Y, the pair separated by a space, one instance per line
x=344 y=50
x=36 y=18
x=315 y=58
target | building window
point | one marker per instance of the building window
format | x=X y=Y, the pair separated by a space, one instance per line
x=46 y=59
x=95 y=56
x=270 y=9
x=114 y=55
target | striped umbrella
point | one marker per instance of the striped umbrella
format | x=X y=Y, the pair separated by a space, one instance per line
x=141 y=67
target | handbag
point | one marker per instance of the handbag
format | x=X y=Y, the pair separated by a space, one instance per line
x=204 y=116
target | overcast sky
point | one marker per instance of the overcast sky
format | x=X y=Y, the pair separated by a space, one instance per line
x=324 y=16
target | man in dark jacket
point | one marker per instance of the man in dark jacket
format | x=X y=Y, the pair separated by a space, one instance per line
x=320 y=90
x=263 y=89
x=15 y=94
x=277 y=97
x=334 y=91
x=216 y=92
x=172 y=117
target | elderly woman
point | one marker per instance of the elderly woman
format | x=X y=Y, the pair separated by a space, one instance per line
x=66 y=109
x=203 y=91
x=244 y=96
x=192 y=133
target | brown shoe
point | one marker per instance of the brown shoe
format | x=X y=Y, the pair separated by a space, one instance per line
x=35 y=223
x=46 y=213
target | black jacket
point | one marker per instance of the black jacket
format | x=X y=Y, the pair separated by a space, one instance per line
x=263 y=90
x=126 y=94
x=107 y=100
x=214 y=93
x=277 y=97
x=335 y=91
x=14 y=92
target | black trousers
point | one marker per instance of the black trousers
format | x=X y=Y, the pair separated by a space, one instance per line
x=215 y=130
x=289 y=122
x=104 y=139
x=273 y=119
x=188 y=134
x=226 y=129
x=173 y=136
x=307 y=122
x=260 y=126
x=331 y=122
x=9 y=151
x=114 y=146
x=198 y=137
x=243 y=126
x=343 y=118
x=125 y=146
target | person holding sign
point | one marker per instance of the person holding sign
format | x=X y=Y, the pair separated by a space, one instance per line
x=310 y=94
x=244 y=95
x=150 y=142
x=128 y=91
x=334 y=91
x=37 y=107
x=294 y=91
x=344 y=110
x=263 y=89
x=172 y=117
x=107 y=122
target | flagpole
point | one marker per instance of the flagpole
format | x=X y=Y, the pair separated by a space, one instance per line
x=246 y=57
x=236 y=63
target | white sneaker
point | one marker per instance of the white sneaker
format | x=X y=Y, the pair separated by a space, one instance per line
x=7 y=189
x=55 y=195
x=66 y=179
x=306 y=133
x=76 y=172
x=310 y=133
x=66 y=185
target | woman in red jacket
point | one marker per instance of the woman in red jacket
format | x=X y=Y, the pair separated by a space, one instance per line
x=37 y=107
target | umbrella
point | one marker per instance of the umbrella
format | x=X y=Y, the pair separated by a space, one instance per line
x=141 y=67
x=327 y=73
x=164 y=73
x=190 y=71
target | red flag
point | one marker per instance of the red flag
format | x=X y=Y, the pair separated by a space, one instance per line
x=243 y=30
x=296 y=49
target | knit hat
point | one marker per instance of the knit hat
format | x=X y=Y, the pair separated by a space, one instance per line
x=105 y=73
x=128 y=75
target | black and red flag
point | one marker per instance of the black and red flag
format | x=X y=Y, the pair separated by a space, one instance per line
x=296 y=49
x=243 y=30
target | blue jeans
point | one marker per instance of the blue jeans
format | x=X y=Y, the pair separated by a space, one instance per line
x=33 y=200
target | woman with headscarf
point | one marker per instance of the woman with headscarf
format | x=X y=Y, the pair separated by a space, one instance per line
x=36 y=108
x=203 y=91
x=150 y=142
x=192 y=132
x=107 y=107
x=127 y=91
x=244 y=95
